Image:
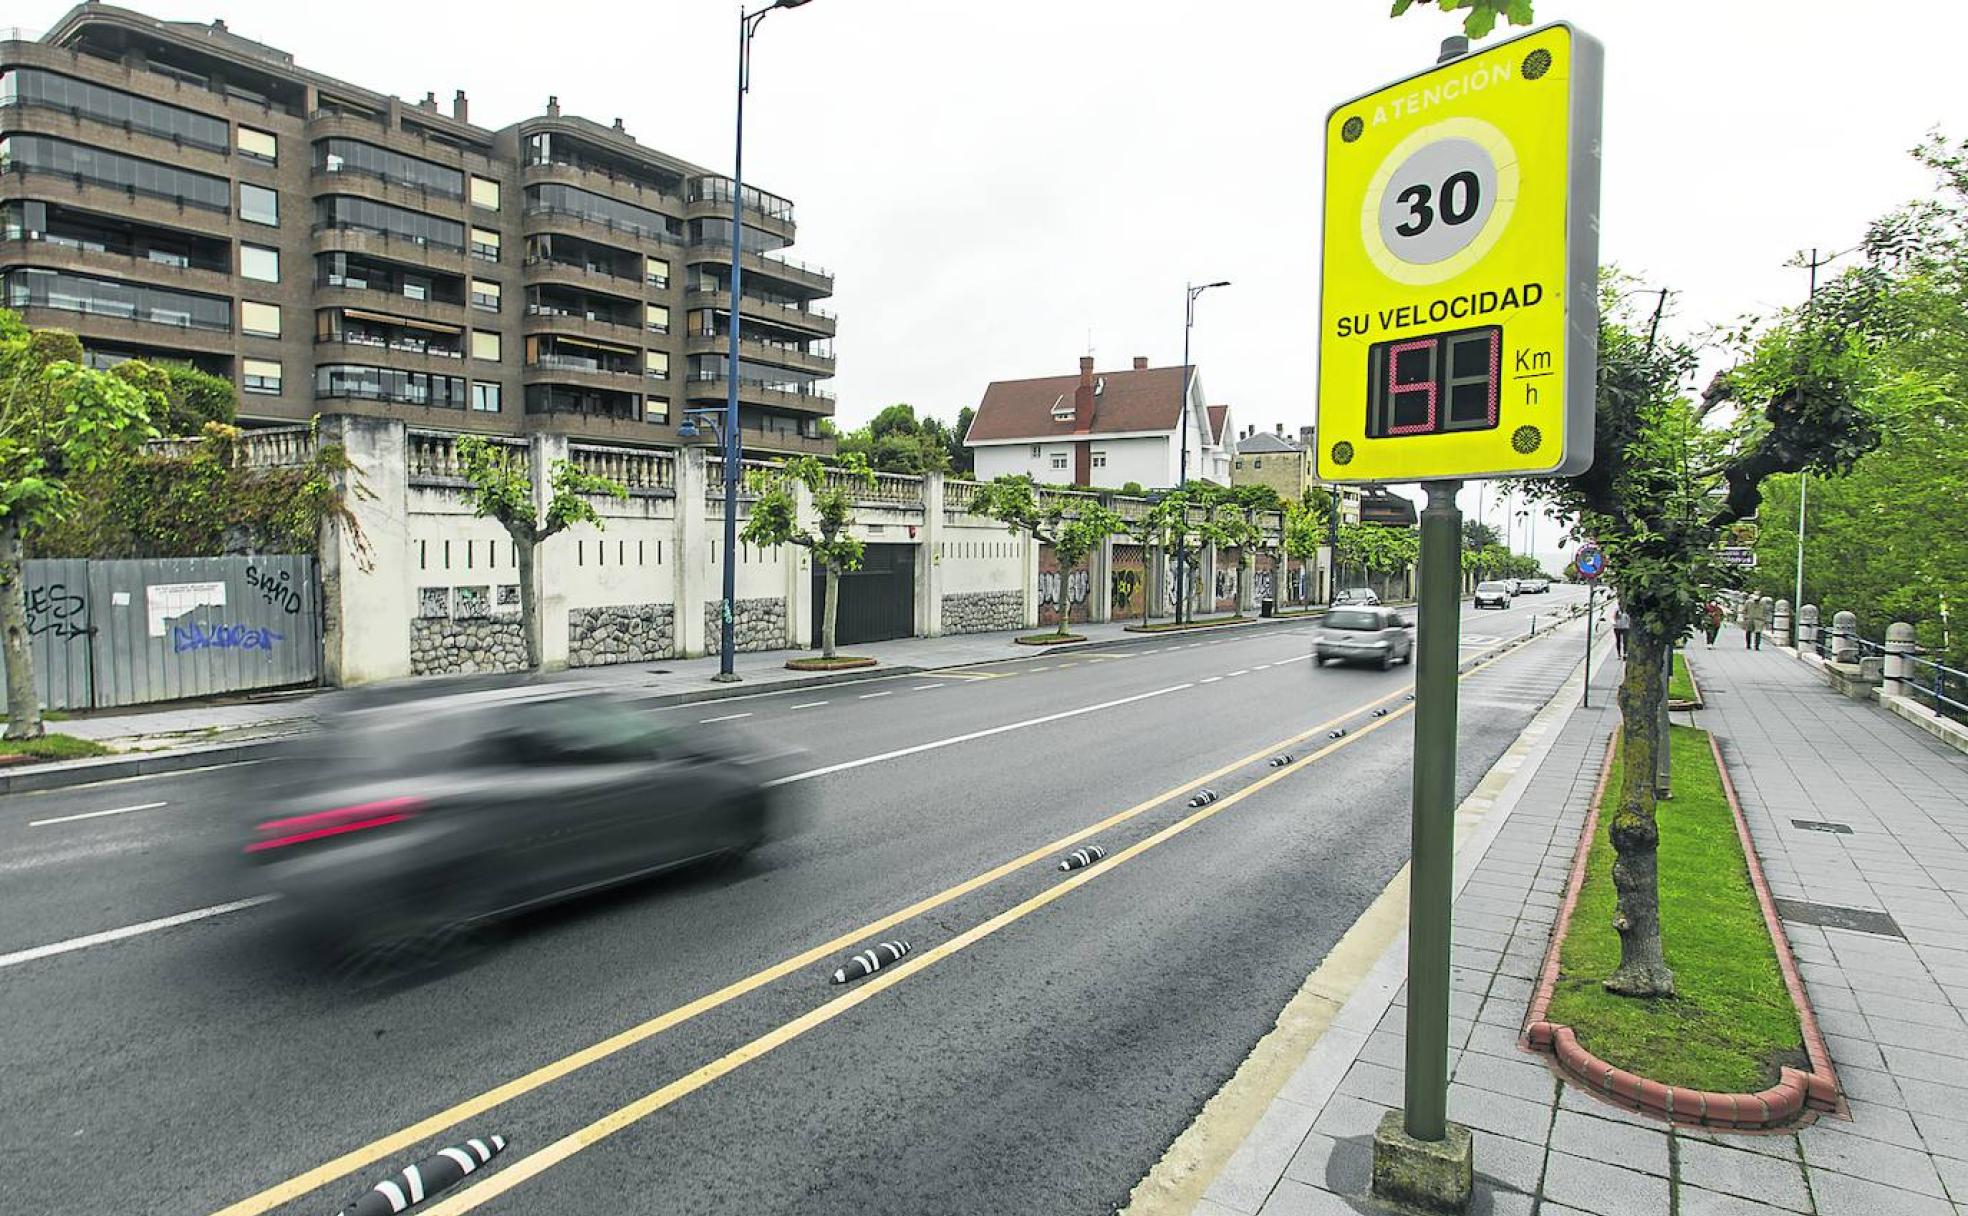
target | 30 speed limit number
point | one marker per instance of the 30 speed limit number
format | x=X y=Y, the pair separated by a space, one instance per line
x=1440 y=199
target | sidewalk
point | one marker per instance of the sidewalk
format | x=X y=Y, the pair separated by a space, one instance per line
x=1891 y=998
x=152 y=728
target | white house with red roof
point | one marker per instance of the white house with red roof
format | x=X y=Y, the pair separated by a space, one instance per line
x=1101 y=428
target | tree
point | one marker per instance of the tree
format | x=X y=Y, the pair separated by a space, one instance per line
x=502 y=490
x=59 y=421
x=1172 y=525
x=1244 y=509
x=1014 y=501
x=894 y=441
x=962 y=459
x=1305 y=528
x=190 y=400
x=775 y=519
x=1478 y=535
x=1667 y=481
x=1378 y=548
x=1483 y=14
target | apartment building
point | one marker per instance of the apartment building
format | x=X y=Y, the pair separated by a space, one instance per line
x=170 y=190
x=1273 y=458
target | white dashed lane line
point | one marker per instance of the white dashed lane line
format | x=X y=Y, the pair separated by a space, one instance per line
x=1211 y=679
x=725 y=718
x=115 y=810
x=869 y=696
x=807 y=705
x=928 y=687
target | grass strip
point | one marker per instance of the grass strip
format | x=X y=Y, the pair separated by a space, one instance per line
x=1679 y=686
x=1731 y=1023
x=53 y=747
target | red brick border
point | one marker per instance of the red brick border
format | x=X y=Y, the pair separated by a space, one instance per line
x=1796 y=1096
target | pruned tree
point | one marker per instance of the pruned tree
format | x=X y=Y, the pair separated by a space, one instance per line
x=1172 y=526
x=1482 y=14
x=1073 y=533
x=1242 y=511
x=1305 y=528
x=775 y=520
x=59 y=421
x=1669 y=478
x=501 y=478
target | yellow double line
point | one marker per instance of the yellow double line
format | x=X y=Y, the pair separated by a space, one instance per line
x=417 y=1133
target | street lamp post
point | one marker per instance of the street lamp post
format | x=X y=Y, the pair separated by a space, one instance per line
x=748 y=23
x=1191 y=291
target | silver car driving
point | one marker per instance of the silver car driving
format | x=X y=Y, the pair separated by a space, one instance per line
x=1364 y=635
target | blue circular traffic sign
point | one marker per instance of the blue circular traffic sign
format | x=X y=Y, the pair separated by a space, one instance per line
x=1591 y=563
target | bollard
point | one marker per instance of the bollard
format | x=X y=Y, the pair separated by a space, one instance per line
x=1780 y=624
x=1807 y=627
x=1899 y=671
x=1845 y=638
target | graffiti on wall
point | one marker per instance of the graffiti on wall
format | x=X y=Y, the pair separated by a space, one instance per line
x=55 y=610
x=1077 y=587
x=1226 y=584
x=1262 y=583
x=274 y=589
x=222 y=637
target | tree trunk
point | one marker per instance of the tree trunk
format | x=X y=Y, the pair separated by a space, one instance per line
x=1642 y=969
x=1065 y=599
x=23 y=698
x=827 y=616
x=529 y=601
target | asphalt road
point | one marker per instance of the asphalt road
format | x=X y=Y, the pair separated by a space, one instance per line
x=676 y=1047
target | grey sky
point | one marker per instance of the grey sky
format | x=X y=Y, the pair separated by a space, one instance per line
x=993 y=181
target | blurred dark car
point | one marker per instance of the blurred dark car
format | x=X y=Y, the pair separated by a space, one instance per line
x=401 y=819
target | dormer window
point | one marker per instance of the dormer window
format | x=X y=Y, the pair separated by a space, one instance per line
x=1100 y=386
x=1062 y=409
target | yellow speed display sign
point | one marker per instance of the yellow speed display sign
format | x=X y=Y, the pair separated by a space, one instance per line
x=1458 y=315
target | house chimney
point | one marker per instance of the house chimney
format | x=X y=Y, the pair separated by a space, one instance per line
x=428 y=103
x=1141 y=363
x=619 y=127
x=1281 y=429
x=459 y=108
x=553 y=105
x=1083 y=396
x=1305 y=437
x=218 y=25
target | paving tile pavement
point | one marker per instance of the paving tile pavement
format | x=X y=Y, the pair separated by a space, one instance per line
x=1894 y=1007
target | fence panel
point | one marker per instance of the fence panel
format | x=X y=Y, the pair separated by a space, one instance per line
x=59 y=623
x=167 y=628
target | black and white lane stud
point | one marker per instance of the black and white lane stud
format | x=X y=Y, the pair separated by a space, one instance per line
x=1203 y=798
x=870 y=961
x=1336 y=734
x=1080 y=859
x=419 y=1182
x=1281 y=761
x=1381 y=712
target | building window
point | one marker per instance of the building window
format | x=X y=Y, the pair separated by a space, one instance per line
x=1100 y=460
x=259 y=205
x=657 y=318
x=84 y=165
x=368 y=160
x=485 y=244
x=656 y=409
x=260 y=376
x=485 y=295
x=344 y=380
x=1037 y=451
x=260 y=145
x=50 y=90
x=659 y=273
x=260 y=320
x=485 y=397
x=259 y=263
x=485 y=345
x=485 y=193
x=1059 y=460
x=1257 y=462
x=33 y=288
x=656 y=364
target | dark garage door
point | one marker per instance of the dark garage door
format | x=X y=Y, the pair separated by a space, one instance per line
x=877 y=602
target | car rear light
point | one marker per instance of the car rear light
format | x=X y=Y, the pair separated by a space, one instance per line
x=298 y=829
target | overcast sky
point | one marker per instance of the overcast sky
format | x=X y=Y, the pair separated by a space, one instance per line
x=997 y=183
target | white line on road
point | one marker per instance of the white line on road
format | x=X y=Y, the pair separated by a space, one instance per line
x=928 y=687
x=116 y=935
x=986 y=733
x=806 y=705
x=1211 y=679
x=869 y=696
x=1243 y=672
x=116 y=810
x=725 y=718
x=1259 y=666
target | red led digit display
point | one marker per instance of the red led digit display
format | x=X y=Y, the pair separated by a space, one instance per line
x=1433 y=384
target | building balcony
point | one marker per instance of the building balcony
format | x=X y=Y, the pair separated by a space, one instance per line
x=761 y=352
x=540 y=220
x=62 y=255
x=125 y=329
x=714 y=390
x=546 y=270
x=605 y=427
x=817 y=280
x=398 y=304
x=810 y=320
x=779 y=443
x=410 y=252
x=600 y=181
x=392 y=355
x=541 y=320
x=122 y=201
x=334 y=124
x=74 y=127
x=560 y=369
x=709 y=198
x=396 y=194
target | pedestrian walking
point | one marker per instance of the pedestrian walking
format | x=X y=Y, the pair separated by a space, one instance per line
x=1711 y=621
x=1752 y=623
x=1621 y=623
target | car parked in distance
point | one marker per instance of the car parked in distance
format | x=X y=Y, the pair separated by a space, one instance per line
x=1364 y=634
x=1493 y=594
x=1356 y=595
x=1535 y=586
